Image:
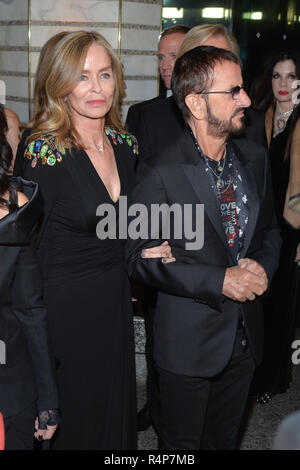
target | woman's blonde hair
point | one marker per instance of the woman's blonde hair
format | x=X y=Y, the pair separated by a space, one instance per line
x=45 y=57
x=58 y=73
x=199 y=34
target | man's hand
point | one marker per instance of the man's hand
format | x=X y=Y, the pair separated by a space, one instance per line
x=253 y=267
x=241 y=283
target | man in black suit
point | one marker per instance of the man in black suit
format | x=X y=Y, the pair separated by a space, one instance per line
x=159 y=123
x=168 y=47
x=207 y=314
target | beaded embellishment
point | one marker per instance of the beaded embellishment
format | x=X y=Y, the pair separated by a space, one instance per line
x=43 y=149
x=120 y=138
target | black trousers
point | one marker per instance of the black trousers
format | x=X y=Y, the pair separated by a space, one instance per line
x=19 y=429
x=200 y=413
x=152 y=387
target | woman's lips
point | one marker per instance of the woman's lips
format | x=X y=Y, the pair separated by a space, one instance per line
x=96 y=102
x=281 y=92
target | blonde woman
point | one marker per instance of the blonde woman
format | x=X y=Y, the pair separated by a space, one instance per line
x=81 y=157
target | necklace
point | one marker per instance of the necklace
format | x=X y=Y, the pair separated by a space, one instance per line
x=282 y=120
x=219 y=170
x=100 y=147
x=286 y=113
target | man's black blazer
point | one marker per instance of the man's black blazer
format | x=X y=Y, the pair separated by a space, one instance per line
x=135 y=112
x=27 y=369
x=159 y=123
x=194 y=325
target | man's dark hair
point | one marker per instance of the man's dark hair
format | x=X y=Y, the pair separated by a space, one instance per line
x=193 y=72
x=179 y=28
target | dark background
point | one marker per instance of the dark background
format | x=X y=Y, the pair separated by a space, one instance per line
x=279 y=28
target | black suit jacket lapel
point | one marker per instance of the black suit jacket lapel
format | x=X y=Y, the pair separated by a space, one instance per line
x=195 y=171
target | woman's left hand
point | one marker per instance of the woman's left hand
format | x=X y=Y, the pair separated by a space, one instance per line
x=162 y=251
x=46 y=424
x=297 y=258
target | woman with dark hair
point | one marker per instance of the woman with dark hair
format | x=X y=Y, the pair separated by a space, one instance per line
x=27 y=384
x=277 y=96
x=81 y=156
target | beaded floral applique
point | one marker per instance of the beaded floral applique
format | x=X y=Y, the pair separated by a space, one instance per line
x=120 y=138
x=44 y=150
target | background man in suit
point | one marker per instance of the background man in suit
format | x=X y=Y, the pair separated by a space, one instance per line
x=161 y=121
x=168 y=47
x=207 y=315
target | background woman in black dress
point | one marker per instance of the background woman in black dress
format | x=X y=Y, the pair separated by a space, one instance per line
x=27 y=378
x=81 y=157
x=276 y=96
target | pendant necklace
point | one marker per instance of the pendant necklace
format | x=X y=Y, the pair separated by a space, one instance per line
x=218 y=172
x=282 y=120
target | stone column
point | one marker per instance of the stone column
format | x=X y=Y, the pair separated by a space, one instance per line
x=141 y=23
x=14 y=55
x=131 y=26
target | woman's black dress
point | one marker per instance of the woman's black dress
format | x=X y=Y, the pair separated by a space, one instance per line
x=87 y=294
x=282 y=304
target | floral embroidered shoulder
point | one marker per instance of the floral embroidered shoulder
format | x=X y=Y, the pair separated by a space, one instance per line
x=44 y=148
x=120 y=137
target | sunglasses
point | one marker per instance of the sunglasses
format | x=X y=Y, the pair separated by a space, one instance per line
x=235 y=92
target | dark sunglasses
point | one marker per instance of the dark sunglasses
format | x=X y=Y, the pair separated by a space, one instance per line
x=235 y=92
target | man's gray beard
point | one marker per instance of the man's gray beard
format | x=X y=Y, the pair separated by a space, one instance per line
x=219 y=128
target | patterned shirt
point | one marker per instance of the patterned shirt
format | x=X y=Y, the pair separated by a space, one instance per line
x=227 y=184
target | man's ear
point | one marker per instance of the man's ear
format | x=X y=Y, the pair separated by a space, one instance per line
x=195 y=104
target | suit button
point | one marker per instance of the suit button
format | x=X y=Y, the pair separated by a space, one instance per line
x=199 y=301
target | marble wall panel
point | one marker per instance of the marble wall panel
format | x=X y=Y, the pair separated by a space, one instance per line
x=13 y=35
x=75 y=10
x=140 y=64
x=14 y=61
x=124 y=112
x=41 y=34
x=12 y=10
x=154 y=2
x=34 y=61
x=140 y=90
x=15 y=86
x=139 y=39
x=140 y=31
x=2 y=92
x=141 y=13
